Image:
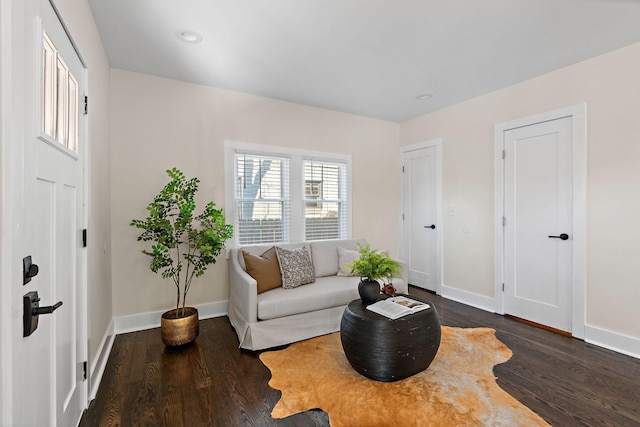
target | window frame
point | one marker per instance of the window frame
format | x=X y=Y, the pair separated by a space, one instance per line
x=324 y=199
x=282 y=199
x=295 y=231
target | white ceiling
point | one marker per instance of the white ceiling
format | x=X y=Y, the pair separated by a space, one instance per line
x=366 y=57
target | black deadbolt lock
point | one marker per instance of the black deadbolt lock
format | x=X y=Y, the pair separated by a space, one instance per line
x=29 y=270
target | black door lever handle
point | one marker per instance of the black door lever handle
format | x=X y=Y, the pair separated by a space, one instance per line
x=563 y=236
x=47 y=310
x=432 y=226
x=32 y=312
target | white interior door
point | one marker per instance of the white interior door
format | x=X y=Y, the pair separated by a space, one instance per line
x=48 y=387
x=538 y=233
x=421 y=219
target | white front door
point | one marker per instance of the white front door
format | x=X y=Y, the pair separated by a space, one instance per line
x=48 y=387
x=538 y=231
x=421 y=225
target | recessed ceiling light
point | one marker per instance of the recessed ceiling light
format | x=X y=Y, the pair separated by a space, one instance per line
x=189 y=36
x=424 y=96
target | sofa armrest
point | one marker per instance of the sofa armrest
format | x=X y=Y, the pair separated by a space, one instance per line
x=404 y=270
x=243 y=291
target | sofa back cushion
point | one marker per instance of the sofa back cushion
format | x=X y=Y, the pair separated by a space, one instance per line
x=260 y=249
x=324 y=254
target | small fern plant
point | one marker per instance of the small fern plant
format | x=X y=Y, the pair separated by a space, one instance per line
x=374 y=265
x=183 y=244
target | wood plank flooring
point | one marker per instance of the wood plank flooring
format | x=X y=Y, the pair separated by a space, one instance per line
x=213 y=383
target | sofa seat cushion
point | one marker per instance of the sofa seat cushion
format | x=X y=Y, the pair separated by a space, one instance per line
x=325 y=292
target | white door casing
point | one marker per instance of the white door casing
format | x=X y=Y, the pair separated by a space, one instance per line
x=6 y=213
x=47 y=383
x=540 y=185
x=421 y=219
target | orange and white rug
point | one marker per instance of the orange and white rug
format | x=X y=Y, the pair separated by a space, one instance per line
x=458 y=389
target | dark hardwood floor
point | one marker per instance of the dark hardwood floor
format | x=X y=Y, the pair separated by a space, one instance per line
x=213 y=383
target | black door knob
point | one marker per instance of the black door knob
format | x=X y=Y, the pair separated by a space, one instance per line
x=432 y=226
x=563 y=236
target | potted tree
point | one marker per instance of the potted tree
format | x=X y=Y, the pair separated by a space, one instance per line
x=183 y=246
x=373 y=267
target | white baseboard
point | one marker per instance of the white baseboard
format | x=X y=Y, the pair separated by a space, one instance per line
x=601 y=337
x=469 y=298
x=100 y=362
x=142 y=321
x=613 y=341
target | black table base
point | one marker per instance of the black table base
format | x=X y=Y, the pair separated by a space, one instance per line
x=389 y=350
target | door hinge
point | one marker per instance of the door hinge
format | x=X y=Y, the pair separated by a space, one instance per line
x=86 y=105
x=402 y=169
x=503 y=287
x=84 y=371
x=84 y=238
x=504 y=221
x=504 y=154
x=403 y=217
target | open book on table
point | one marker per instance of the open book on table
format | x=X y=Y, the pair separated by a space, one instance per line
x=396 y=307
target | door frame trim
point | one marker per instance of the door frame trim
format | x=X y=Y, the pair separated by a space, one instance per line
x=578 y=114
x=8 y=160
x=437 y=143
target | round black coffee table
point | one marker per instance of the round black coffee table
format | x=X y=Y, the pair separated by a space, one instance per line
x=389 y=350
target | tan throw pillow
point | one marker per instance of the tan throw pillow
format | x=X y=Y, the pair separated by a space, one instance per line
x=296 y=267
x=345 y=258
x=264 y=268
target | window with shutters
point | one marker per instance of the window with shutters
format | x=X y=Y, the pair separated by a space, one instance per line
x=286 y=195
x=261 y=198
x=324 y=204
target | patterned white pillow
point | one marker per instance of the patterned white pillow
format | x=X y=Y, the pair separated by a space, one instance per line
x=345 y=258
x=296 y=267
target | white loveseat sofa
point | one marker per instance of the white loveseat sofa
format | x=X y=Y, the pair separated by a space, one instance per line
x=281 y=316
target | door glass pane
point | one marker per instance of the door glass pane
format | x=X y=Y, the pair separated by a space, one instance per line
x=60 y=98
x=48 y=87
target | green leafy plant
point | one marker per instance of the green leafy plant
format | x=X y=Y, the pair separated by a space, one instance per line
x=374 y=265
x=183 y=244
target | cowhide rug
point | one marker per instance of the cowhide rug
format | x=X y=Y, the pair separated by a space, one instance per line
x=458 y=389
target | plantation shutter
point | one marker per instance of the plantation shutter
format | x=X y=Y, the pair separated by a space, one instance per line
x=262 y=200
x=326 y=204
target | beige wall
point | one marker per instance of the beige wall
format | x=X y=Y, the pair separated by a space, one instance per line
x=610 y=86
x=158 y=123
x=78 y=18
